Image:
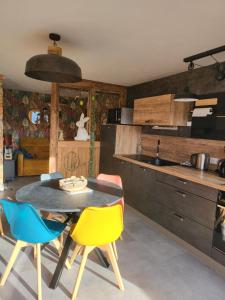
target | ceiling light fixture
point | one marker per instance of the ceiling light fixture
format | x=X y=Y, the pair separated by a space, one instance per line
x=185 y=96
x=53 y=67
x=220 y=70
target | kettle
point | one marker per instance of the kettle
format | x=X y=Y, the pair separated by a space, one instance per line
x=221 y=168
x=200 y=161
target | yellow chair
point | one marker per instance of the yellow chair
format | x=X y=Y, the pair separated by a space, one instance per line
x=97 y=227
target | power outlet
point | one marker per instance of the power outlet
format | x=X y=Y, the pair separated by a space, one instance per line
x=213 y=160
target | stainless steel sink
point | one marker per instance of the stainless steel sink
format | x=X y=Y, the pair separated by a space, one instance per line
x=157 y=161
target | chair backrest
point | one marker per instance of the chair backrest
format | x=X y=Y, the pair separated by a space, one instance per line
x=98 y=225
x=116 y=179
x=25 y=223
x=48 y=176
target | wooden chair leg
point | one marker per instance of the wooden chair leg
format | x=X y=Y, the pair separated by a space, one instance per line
x=115 y=267
x=38 y=251
x=16 y=250
x=87 y=250
x=115 y=249
x=61 y=240
x=57 y=244
x=76 y=251
x=35 y=251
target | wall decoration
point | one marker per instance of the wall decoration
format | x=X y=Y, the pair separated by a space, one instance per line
x=82 y=134
x=72 y=103
x=16 y=122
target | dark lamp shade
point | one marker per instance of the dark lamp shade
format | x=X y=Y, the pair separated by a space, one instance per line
x=53 y=68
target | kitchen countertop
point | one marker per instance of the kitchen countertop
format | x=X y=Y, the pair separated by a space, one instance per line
x=207 y=178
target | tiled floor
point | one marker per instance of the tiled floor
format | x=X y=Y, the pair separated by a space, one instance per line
x=153 y=267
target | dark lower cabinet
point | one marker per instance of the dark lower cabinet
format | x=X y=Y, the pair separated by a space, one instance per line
x=189 y=205
x=108 y=164
x=185 y=208
x=218 y=255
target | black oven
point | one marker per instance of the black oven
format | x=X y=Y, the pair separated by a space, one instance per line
x=219 y=229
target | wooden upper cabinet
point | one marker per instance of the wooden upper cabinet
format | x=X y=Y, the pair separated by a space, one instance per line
x=160 y=110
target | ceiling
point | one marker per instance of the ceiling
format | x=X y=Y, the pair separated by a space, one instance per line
x=116 y=41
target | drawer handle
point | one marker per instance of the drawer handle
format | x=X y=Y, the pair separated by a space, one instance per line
x=182 y=181
x=181 y=194
x=180 y=218
x=147 y=121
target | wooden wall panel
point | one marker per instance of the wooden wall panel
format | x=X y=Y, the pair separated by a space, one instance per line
x=1 y=135
x=73 y=158
x=127 y=139
x=54 y=116
x=179 y=149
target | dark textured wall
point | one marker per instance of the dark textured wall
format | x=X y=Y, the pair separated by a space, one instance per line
x=200 y=81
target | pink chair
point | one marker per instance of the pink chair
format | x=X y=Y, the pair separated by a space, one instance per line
x=115 y=179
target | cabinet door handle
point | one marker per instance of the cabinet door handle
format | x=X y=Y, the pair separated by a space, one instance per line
x=179 y=217
x=181 y=194
x=182 y=181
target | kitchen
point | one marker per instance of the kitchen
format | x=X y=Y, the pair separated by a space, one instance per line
x=112 y=150
x=170 y=155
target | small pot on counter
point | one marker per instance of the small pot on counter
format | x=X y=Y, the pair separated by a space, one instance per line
x=200 y=161
x=221 y=168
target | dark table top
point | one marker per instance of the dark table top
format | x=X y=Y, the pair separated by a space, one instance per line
x=46 y=195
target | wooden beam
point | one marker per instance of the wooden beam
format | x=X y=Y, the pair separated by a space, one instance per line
x=54 y=128
x=97 y=85
x=1 y=134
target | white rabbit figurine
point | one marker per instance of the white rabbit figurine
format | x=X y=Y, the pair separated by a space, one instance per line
x=82 y=134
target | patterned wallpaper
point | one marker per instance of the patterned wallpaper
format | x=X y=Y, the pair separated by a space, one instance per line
x=16 y=108
x=18 y=104
x=72 y=104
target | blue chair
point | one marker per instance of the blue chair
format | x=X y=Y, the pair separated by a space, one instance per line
x=29 y=229
x=49 y=176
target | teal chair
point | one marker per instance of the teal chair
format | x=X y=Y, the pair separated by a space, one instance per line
x=49 y=176
x=29 y=229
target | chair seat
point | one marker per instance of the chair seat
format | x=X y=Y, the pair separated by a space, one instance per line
x=55 y=227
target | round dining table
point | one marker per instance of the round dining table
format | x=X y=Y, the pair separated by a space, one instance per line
x=48 y=196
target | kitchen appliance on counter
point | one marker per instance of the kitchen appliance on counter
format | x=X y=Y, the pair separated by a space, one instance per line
x=200 y=161
x=122 y=115
x=221 y=168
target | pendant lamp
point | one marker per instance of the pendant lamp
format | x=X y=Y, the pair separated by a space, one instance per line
x=53 y=67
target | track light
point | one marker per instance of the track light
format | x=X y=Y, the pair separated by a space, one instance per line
x=191 y=66
x=220 y=68
x=220 y=72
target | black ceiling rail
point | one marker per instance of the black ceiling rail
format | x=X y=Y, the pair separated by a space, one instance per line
x=204 y=54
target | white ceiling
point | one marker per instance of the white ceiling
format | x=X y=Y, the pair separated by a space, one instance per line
x=117 y=41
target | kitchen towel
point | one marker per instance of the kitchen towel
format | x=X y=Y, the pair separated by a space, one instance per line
x=202 y=112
